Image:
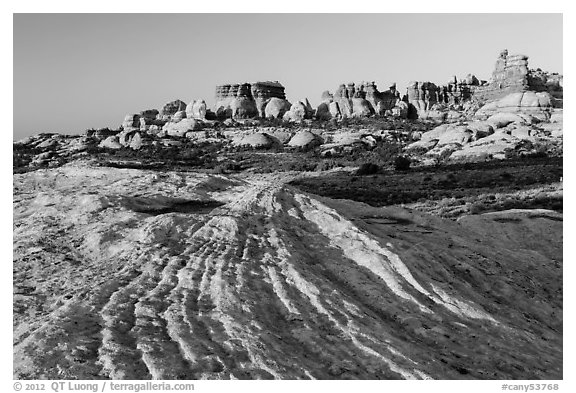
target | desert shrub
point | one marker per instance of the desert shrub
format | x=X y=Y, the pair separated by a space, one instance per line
x=417 y=151
x=219 y=169
x=367 y=169
x=477 y=208
x=402 y=163
x=325 y=165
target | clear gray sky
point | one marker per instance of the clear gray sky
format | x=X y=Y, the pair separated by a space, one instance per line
x=77 y=71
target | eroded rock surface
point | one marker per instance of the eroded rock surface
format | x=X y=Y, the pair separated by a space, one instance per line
x=194 y=276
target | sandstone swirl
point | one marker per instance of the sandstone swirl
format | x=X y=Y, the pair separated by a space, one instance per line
x=135 y=274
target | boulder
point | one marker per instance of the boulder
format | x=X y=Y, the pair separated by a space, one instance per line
x=243 y=108
x=500 y=120
x=400 y=110
x=196 y=109
x=136 y=142
x=435 y=133
x=125 y=137
x=170 y=108
x=494 y=146
x=276 y=108
x=305 y=139
x=557 y=116
x=281 y=135
x=323 y=111
x=149 y=114
x=182 y=127
x=297 y=113
x=480 y=129
x=521 y=132
x=334 y=109
x=178 y=116
x=538 y=105
x=111 y=143
x=131 y=122
x=258 y=141
x=455 y=134
x=361 y=107
x=48 y=144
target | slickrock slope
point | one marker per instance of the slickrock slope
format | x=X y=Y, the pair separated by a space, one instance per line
x=124 y=273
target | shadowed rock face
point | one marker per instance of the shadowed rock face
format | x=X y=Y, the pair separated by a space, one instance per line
x=172 y=107
x=114 y=279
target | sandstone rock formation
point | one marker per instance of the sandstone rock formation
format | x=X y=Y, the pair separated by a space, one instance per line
x=499 y=120
x=360 y=101
x=149 y=124
x=131 y=122
x=149 y=114
x=454 y=134
x=257 y=140
x=111 y=143
x=262 y=92
x=334 y=109
x=196 y=109
x=243 y=108
x=170 y=108
x=178 y=116
x=512 y=75
x=276 y=108
x=305 y=140
x=323 y=111
x=298 y=112
x=137 y=274
x=182 y=127
x=536 y=104
x=422 y=95
x=248 y=100
x=361 y=107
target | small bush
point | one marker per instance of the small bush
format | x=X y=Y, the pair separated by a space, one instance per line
x=367 y=169
x=402 y=163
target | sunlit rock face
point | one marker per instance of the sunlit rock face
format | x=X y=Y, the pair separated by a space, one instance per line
x=138 y=274
x=536 y=105
x=512 y=75
x=250 y=99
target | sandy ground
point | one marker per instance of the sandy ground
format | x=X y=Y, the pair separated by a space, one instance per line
x=134 y=274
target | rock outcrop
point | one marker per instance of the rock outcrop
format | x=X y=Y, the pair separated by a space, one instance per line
x=246 y=100
x=181 y=275
x=422 y=96
x=257 y=140
x=182 y=127
x=262 y=92
x=538 y=105
x=298 y=112
x=131 y=122
x=170 y=109
x=111 y=143
x=196 y=109
x=362 y=101
x=512 y=75
x=276 y=108
x=323 y=111
x=305 y=140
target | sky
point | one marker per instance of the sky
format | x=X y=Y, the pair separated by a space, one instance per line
x=72 y=72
